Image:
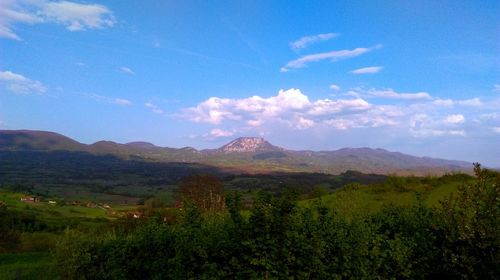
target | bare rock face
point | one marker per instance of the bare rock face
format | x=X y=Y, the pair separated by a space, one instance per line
x=248 y=145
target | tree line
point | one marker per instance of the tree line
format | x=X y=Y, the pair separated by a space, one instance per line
x=277 y=239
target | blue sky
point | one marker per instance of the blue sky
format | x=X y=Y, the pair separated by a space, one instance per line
x=421 y=78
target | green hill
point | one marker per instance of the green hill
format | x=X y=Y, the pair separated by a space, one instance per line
x=354 y=199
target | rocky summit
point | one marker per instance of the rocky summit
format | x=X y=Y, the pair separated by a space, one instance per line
x=248 y=145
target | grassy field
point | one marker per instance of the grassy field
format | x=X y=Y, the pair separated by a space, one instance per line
x=357 y=199
x=48 y=211
x=36 y=265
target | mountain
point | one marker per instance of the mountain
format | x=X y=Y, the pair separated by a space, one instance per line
x=37 y=140
x=248 y=145
x=247 y=154
x=142 y=145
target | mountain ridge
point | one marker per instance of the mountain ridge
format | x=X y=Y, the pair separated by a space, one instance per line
x=251 y=154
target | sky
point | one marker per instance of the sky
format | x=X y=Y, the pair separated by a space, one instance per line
x=418 y=77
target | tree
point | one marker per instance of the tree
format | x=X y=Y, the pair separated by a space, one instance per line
x=469 y=227
x=205 y=191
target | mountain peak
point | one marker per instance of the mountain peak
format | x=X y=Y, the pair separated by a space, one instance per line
x=248 y=145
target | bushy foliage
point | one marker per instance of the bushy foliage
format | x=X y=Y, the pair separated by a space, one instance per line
x=468 y=228
x=278 y=240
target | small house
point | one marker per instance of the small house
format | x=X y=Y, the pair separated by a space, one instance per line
x=31 y=199
x=134 y=215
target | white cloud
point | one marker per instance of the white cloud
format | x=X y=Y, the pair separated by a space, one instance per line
x=490 y=116
x=496 y=88
x=213 y=111
x=11 y=13
x=423 y=126
x=496 y=129
x=472 y=102
x=74 y=16
x=77 y=17
x=293 y=108
x=437 y=133
x=19 y=84
x=335 y=87
x=309 y=40
x=105 y=99
x=327 y=106
x=367 y=70
x=216 y=132
x=155 y=109
x=127 y=70
x=455 y=119
x=332 y=56
x=121 y=101
x=391 y=94
x=443 y=102
x=303 y=123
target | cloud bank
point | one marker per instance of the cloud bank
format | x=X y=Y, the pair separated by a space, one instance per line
x=415 y=114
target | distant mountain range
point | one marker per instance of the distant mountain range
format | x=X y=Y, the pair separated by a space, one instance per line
x=248 y=154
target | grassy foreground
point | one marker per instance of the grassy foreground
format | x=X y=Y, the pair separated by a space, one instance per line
x=32 y=265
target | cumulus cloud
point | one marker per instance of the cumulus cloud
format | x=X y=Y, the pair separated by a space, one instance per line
x=367 y=70
x=332 y=56
x=423 y=126
x=290 y=107
x=455 y=119
x=155 y=109
x=127 y=70
x=335 y=87
x=293 y=110
x=327 y=106
x=74 y=16
x=19 y=84
x=312 y=39
x=303 y=123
